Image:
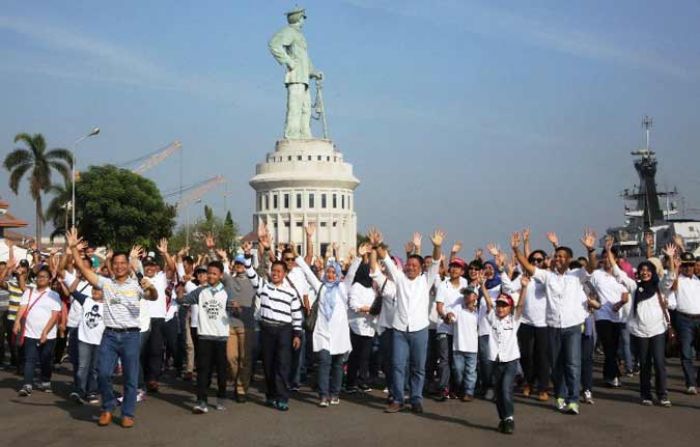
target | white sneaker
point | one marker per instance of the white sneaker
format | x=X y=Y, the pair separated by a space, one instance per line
x=588 y=397
x=665 y=403
x=200 y=408
x=647 y=402
x=335 y=400
x=25 y=391
x=691 y=390
x=140 y=396
x=220 y=405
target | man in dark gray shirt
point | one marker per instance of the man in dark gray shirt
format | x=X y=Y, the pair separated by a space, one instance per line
x=241 y=340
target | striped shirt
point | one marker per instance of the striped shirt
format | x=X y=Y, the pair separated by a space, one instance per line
x=122 y=302
x=277 y=304
x=15 y=298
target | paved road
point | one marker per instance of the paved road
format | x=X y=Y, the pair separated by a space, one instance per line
x=164 y=419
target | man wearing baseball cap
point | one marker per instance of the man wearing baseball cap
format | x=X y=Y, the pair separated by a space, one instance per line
x=239 y=348
x=686 y=287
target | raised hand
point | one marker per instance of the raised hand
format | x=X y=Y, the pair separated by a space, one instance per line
x=670 y=251
x=222 y=254
x=417 y=239
x=456 y=247
x=589 y=239
x=364 y=249
x=264 y=238
x=492 y=249
x=515 y=240
x=553 y=238
x=310 y=229
x=71 y=237
x=409 y=247
x=247 y=246
x=136 y=252
x=526 y=235
x=163 y=246
x=438 y=237
x=678 y=240
x=649 y=239
x=478 y=254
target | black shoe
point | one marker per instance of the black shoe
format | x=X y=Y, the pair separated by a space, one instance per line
x=501 y=424
x=351 y=390
x=417 y=408
x=508 y=426
x=365 y=388
x=241 y=398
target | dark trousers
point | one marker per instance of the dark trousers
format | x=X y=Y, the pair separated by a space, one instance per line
x=587 y=348
x=195 y=342
x=154 y=354
x=74 y=352
x=358 y=363
x=143 y=351
x=276 y=345
x=651 y=350
x=431 y=358
x=172 y=348
x=297 y=369
x=212 y=356
x=688 y=329
x=609 y=334
x=502 y=379
x=59 y=347
x=485 y=365
x=386 y=346
x=534 y=355
x=5 y=334
x=444 y=355
x=33 y=353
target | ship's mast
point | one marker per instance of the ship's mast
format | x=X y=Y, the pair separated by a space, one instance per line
x=647 y=122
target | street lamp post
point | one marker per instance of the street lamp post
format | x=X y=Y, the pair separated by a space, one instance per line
x=92 y=133
x=187 y=222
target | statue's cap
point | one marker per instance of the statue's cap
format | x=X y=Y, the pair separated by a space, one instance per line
x=296 y=10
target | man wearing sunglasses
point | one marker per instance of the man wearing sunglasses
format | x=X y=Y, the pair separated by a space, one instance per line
x=296 y=279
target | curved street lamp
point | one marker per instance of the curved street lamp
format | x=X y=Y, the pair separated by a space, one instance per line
x=93 y=132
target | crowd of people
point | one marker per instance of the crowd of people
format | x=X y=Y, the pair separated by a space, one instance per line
x=504 y=321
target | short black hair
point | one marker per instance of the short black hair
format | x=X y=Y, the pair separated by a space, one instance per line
x=476 y=264
x=418 y=258
x=116 y=254
x=274 y=263
x=575 y=265
x=541 y=252
x=3 y=262
x=566 y=250
x=217 y=265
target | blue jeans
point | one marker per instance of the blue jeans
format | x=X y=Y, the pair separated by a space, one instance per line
x=124 y=346
x=297 y=372
x=687 y=331
x=409 y=347
x=485 y=365
x=502 y=380
x=464 y=372
x=330 y=373
x=33 y=353
x=565 y=345
x=87 y=369
x=625 y=351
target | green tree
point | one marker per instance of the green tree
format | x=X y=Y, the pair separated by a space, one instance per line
x=119 y=208
x=58 y=210
x=39 y=163
x=225 y=233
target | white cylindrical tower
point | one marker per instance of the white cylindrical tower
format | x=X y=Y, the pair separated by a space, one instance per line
x=306 y=181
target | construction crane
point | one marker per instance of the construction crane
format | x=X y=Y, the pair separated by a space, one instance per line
x=151 y=160
x=194 y=192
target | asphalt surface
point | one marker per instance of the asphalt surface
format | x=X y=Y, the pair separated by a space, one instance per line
x=165 y=419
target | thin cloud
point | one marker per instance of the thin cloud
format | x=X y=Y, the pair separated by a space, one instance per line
x=500 y=24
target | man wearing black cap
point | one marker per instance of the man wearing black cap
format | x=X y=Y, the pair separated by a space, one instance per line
x=686 y=287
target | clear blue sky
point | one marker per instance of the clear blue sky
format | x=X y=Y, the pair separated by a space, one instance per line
x=477 y=116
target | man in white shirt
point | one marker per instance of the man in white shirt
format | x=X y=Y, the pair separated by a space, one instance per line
x=608 y=321
x=686 y=287
x=296 y=279
x=410 y=320
x=35 y=328
x=566 y=312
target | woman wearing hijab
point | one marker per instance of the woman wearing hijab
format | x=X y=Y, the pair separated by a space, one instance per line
x=647 y=324
x=331 y=334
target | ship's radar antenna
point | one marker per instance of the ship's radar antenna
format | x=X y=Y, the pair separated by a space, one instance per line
x=647 y=122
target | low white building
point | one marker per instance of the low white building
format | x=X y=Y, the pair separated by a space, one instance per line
x=302 y=182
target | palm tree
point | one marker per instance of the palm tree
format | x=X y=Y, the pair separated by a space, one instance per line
x=58 y=210
x=39 y=163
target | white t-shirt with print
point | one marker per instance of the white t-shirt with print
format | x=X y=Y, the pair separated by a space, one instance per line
x=92 y=323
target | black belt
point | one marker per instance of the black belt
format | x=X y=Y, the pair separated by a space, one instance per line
x=123 y=329
x=690 y=316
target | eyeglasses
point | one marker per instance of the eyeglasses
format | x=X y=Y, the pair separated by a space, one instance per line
x=288 y=259
x=537 y=259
